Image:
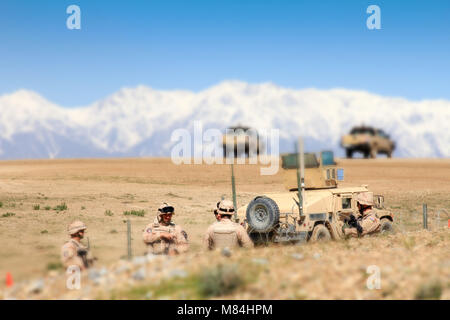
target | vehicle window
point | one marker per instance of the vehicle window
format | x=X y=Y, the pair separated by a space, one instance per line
x=333 y=174
x=346 y=203
x=369 y=131
x=328 y=174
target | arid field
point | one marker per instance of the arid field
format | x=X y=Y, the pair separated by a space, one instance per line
x=40 y=198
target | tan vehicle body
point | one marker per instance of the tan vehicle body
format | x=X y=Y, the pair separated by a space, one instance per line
x=325 y=204
x=369 y=141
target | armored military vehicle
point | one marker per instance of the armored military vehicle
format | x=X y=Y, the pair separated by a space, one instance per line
x=369 y=141
x=317 y=210
x=240 y=140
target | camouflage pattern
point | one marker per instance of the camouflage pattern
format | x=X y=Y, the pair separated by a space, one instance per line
x=162 y=206
x=365 y=198
x=225 y=206
x=73 y=253
x=226 y=233
x=369 y=222
x=156 y=245
x=75 y=227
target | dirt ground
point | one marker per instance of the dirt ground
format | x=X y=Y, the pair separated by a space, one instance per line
x=32 y=229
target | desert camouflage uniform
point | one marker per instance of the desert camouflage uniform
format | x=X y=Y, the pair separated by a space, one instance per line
x=369 y=222
x=156 y=245
x=226 y=233
x=70 y=255
x=73 y=253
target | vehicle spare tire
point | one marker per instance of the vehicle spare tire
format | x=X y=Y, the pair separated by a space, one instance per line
x=386 y=226
x=262 y=214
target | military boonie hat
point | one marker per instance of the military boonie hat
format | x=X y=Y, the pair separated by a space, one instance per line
x=365 y=198
x=75 y=227
x=225 y=206
x=166 y=208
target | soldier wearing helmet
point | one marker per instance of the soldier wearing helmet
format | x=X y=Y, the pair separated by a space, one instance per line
x=163 y=236
x=225 y=233
x=367 y=221
x=73 y=252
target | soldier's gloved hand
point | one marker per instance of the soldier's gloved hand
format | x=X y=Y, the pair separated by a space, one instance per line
x=166 y=236
x=352 y=222
x=359 y=228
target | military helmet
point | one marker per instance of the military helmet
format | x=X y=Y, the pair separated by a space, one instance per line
x=365 y=198
x=166 y=208
x=75 y=227
x=225 y=207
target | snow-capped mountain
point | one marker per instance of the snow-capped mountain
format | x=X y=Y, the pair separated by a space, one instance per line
x=139 y=121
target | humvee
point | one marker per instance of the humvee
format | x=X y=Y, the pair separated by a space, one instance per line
x=240 y=140
x=369 y=141
x=321 y=214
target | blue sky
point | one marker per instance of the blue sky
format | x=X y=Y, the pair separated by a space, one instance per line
x=195 y=44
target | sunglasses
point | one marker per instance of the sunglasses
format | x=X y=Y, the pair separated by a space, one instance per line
x=168 y=209
x=226 y=210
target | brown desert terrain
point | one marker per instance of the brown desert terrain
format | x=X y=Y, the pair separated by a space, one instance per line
x=39 y=198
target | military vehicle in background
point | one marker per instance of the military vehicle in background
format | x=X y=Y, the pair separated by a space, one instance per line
x=318 y=211
x=369 y=141
x=241 y=140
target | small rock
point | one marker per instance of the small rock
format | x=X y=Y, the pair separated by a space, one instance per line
x=226 y=252
x=297 y=256
x=93 y=274
x=122 y=268
x=260 y=261
x=138 y=261
x=37 y=286
x=103 y=272
x=316 y=255
x=177 y=273
x=140 y=274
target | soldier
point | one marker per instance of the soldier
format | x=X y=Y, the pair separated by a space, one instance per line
x=163 y=236
x=367 y=222
x=216 y=211
x=73 y=253
x=224 y=232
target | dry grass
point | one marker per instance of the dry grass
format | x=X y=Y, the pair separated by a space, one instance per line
x=140 y=185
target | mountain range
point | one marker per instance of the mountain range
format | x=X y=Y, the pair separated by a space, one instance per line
x=139 y=121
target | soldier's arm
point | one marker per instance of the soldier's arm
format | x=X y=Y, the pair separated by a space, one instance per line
x=207 y=240
x=182 y=241
x=244 y=238
x=150 y=235
x=69 y=257
x=370 y=224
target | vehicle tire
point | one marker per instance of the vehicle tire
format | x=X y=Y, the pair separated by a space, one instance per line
x=349 y=153
x=262 y=215
x=366 y=154
x=386 y=226
x=389 y=154
x=261 y=239
x=320 y=233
